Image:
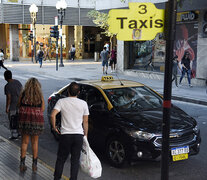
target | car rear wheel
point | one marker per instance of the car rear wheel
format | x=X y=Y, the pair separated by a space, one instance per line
x=116 y=152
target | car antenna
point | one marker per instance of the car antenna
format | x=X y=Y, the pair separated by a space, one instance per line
x=119 y=80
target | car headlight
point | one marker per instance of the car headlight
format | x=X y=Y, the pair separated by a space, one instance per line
x=196 y=129
x=141 y=135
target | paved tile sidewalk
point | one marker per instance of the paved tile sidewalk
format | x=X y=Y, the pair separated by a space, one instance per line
x=9 y=164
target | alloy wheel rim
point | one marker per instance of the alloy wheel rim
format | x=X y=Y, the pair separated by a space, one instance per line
x=116 y=152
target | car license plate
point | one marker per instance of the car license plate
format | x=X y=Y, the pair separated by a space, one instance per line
x=180 y=153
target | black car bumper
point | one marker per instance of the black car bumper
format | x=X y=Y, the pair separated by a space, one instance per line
x=148 y=151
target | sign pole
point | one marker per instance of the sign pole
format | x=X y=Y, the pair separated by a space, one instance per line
x=56 y=24
x=31 y=31
x=170 y=25
x=32 y=49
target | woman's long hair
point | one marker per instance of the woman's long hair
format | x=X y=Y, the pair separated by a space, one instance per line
x=32 y=93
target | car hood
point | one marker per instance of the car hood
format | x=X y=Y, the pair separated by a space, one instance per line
x=151 y=120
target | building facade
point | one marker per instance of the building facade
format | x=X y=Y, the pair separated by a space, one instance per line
x=140 y=57
x=147 y=58
x=78 y=28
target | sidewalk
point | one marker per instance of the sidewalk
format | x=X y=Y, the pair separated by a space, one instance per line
x=9 y=164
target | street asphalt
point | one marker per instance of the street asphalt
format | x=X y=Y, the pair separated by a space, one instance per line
x=77 y=70
x=196 y=94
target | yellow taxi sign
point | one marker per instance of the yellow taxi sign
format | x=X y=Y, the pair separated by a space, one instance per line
x=107 y=78
x=142 y=21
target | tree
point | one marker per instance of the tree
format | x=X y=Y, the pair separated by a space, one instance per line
x=100 y=19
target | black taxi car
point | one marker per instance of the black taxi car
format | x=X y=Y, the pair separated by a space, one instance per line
x=126 y=121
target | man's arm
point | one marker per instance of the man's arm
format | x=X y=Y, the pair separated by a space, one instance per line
x=8 y=102
x=53 y=120
x=182 y=64
x=85 y=125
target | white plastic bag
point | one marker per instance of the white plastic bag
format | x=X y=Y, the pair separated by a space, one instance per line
x=89 y=162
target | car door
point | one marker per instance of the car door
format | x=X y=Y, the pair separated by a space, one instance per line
x=99 y=118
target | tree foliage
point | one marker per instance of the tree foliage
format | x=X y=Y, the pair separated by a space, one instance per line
x=100 y=19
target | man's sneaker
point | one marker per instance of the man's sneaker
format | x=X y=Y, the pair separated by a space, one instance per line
x=190 y=85
x=106 y=72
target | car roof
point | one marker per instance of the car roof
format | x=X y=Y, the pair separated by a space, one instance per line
x=111 y=84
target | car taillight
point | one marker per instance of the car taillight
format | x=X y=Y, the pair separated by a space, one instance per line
x=49 y=99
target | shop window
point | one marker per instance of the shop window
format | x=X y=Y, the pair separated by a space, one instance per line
x=89 y=43
x=150 y=55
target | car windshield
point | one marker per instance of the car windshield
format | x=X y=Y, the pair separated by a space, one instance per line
x=133 y=98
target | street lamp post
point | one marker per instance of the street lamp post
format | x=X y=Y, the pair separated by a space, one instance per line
x=33 y=12
x=61 y=6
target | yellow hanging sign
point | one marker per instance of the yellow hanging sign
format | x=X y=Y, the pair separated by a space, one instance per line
x=142 y=21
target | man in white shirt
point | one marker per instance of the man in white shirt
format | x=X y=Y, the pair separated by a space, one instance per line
x=72 y=52
x=107 y=47
x=2 y=59
x=74 y=124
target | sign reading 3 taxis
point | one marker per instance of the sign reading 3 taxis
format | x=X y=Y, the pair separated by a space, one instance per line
x=142 y=21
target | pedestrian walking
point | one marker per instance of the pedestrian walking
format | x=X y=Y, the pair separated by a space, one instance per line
x=47 y=53
x=31 y=121
x=74 y=124
x=72 y=52
x=174 y=70
x=113 y=59
x=186 y=68
x=12 y=91
x=107 y=47
x=2 y=59
x=104 y=57
x=40 y=55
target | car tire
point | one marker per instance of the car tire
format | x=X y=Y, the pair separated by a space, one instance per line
x=116 y=152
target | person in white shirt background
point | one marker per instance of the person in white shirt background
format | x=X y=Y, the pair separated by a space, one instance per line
x=2 y=59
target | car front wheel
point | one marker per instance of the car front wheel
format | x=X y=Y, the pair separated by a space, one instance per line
x=116 y=152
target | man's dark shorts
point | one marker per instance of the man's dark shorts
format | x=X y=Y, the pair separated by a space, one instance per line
x=105 y=63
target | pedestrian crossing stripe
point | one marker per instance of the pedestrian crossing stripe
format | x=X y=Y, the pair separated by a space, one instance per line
x=27 y=76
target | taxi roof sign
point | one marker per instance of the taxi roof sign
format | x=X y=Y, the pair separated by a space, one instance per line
x=107 y=78
x=142 y=21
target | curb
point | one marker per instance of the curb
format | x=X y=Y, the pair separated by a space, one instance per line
x=195 y=101
x=184 y=99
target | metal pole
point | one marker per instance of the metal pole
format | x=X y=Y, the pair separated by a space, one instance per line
x=61 y=40
x=170 y=25
x=56 y=53
x=35 y=44
x=32 y=49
